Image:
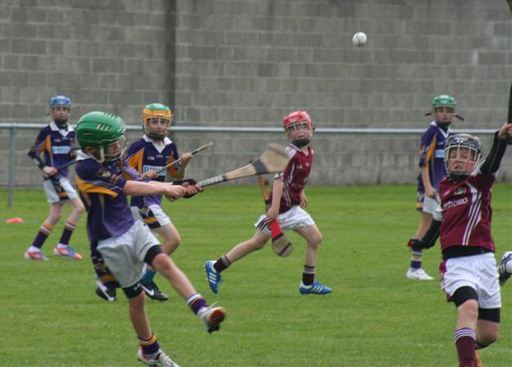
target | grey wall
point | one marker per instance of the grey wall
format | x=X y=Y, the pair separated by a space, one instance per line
x=249 y=62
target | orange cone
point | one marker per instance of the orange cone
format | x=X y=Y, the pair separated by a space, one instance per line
x=14 y=220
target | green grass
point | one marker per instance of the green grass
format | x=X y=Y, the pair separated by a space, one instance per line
x=50 y=316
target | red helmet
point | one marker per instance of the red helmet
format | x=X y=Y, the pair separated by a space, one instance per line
x=295 y=117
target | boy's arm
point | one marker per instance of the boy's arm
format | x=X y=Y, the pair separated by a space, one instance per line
x=277 y=192
x=425 y=177
x=499 y=145
x=174 y=192
x=433 y=232
x=34 y=152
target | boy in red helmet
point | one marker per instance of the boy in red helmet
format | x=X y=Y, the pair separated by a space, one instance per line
x=288 y=203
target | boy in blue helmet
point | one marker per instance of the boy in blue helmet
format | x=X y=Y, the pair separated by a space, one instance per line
x=56 y=143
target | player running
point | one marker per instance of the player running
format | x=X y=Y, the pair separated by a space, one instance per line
x=127 y=244
x=432 y=170
x=288 y=200
x=150 y=156
x=55 y=141
x=463 y=221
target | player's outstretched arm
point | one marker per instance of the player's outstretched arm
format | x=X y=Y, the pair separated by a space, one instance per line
x=138 y=188
x=493 y=160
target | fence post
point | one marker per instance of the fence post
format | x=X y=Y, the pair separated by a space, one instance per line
x=12 y=162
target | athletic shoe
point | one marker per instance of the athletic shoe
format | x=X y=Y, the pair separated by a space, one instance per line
x=34 y=255
x=66 y=251
x=213 y=276
x=161 y=360
x=417 y=274
x=315 y=288
x=152 y=291
x=108 y=294
x=212 y=317
x=505 y=267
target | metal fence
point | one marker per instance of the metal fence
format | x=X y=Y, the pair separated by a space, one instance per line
x=14 y=127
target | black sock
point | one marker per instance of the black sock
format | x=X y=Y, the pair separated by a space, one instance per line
x=222 y=263
x=308 y=276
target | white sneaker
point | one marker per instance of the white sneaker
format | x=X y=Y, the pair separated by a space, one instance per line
x=212 y=317
x=505 y=267
x=161 y=360
x=417 y=274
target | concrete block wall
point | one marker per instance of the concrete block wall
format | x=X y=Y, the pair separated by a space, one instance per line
x=249 y=62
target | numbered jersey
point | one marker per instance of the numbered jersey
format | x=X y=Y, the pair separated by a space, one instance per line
x=145 y=155
x=466 y=212
x=295 y=176
x=55 y=145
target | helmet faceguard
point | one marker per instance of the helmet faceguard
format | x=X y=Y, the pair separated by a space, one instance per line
x=156 y=119
x=104 y=132
x=60 y=115
x=299 y=128
x=443 y=109
x=462 y=153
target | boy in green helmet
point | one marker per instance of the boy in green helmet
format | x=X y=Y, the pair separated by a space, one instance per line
x=126 y=244
x=432 y=170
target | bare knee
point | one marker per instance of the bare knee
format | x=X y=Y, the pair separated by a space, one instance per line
x=169 y=246
x=469 y=309
x=137 y=302
x=315 y=240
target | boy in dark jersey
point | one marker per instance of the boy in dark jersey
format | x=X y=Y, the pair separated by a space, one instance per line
x=463 y=223
x=288 y=201
x=126 y=244
x=150 y=156
x=431 y=163
x=56 y=143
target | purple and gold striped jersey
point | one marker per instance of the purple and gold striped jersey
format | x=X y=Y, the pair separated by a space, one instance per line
x=101 y=190
x=432 y=154
x=55 y=145
x=145 y=155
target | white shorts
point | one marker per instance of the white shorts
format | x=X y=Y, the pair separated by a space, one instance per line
x=478 y=272
x=430 y=204
x=294 y=218
x=153 y=215
x=124 y=255
x=66 y=191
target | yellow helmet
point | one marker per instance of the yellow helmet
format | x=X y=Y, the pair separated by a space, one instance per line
x=156 y=111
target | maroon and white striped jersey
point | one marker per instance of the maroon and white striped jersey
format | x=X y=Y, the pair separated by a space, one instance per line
x=466 y=212
x=295 y=176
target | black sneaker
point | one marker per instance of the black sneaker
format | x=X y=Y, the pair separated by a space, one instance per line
x=108 y=294
x=153 y=292
x=504 y=267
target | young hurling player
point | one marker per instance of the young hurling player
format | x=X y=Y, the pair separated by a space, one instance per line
x=431 y=164
x=149 y=156
x=463 y=221
x=55 y=142
x=127 y=244
x=288 y=201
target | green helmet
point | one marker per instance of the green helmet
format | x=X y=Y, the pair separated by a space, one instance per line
x=99 y=129
x=443 y=100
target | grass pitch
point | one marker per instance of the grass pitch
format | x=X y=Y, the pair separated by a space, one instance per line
x=50 y=316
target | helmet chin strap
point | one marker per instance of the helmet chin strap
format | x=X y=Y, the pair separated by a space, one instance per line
x=300 y=143
x=61 y=123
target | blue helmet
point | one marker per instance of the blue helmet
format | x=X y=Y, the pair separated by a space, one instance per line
x=59 y=101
